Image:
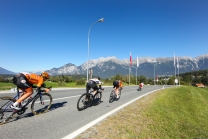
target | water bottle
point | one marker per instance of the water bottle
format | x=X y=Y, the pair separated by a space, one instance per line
x=29 y=98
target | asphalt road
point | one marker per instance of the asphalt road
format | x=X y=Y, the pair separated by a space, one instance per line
x=63 y=120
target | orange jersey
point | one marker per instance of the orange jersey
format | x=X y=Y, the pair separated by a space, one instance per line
x=120 y=84
x=34 y=79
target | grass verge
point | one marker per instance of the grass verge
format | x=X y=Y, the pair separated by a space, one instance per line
x=171 y=113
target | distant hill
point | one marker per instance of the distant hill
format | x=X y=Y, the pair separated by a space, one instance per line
x=4 y=71
x=110 y=66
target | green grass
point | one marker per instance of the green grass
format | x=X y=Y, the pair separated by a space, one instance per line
x=179 y=112
x=6 y=86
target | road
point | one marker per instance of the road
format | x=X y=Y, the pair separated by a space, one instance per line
x=63 y=120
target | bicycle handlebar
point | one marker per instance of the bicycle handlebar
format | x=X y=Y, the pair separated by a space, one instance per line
x=44 y=87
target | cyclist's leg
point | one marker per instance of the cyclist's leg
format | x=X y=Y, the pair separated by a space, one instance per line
x=116 y=91
x=27 y=92
x=95 y=87
x=114 y=87
x=87 y=87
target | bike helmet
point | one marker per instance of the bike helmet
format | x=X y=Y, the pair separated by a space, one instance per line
x=98 y=77
x=45 y=75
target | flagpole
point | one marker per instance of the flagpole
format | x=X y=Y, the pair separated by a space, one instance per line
x=178 y=71
x=175 y=67
x=136 y=68
x=136 y=75
x=130 y=67
x=129 y=75
x=178 y=77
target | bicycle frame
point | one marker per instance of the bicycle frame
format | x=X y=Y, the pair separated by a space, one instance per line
x=18 y=96
x=38 y=93
x=92 y=91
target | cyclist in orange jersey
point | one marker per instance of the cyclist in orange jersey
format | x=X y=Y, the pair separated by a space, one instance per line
x=25 y=81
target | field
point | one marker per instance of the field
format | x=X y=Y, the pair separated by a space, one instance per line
x=8 y=86
x=179 y=112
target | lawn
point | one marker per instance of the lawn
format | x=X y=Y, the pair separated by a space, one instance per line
x=179 y=112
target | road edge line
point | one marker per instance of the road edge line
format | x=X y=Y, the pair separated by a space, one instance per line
x=84 y=128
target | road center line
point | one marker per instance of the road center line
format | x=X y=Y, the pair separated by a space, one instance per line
x=66 y=97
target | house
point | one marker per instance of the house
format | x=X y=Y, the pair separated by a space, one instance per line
x=199 y=85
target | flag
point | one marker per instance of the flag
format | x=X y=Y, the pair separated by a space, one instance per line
x=177 y=62
x=174 y=59
x=137 y=62
x=130 y=59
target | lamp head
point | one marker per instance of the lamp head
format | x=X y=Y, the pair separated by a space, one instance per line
x=101 y=20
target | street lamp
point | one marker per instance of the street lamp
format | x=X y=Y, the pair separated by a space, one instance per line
x=154 y=62
x=154 y=74
x=100 y=20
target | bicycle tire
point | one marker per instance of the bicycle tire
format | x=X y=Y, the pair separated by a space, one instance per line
x=97 y=98
x=82 y=103
x=139 y=89
x=38 y=107
x=6 y=113
x=112 y=95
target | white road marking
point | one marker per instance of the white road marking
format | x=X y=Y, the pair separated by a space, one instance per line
x=66 y=97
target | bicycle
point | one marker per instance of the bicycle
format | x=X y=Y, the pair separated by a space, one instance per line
x=88 y=99
x=139 y=88
x=40 y=103
x=113 y=96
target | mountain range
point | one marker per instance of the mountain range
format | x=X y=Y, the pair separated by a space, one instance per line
x=147 y=66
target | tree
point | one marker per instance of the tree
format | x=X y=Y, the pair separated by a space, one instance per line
x=205 y=80
x=171 y=80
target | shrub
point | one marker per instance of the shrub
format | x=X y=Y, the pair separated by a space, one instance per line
x=80 y=82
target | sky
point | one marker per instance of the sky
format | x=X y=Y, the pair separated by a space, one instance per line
x=46 y=34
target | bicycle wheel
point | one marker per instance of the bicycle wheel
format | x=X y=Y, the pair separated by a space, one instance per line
x=97 y=98
x=84 y=101
x=6 y=113
x=112 y=95
x=41 y=104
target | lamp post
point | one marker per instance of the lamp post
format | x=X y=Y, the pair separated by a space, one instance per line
x=154 y=62
x=154 y=74
x=100 y=20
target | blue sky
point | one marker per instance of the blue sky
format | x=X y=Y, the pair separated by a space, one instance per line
x=43 y=34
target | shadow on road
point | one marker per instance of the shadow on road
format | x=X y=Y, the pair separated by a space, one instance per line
x=30 y=114
x=57 y=105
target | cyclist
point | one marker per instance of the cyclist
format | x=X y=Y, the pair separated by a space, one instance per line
x=95 y=84
x=116 y=85
x=141 y=85
x=25 y=81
